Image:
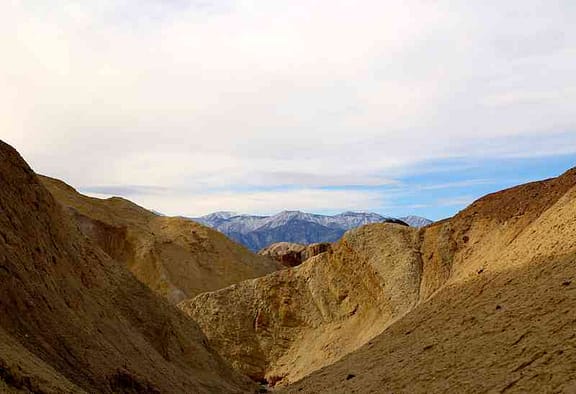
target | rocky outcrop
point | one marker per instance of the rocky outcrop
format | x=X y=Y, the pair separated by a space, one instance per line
x=316 y=249
x=504 y=327
x=73 y=320
x=287 y=253
x=175 y=257
x=292 y=254
x=285 y=325
x=493 y=252
x=494 y=314
x=476 y=239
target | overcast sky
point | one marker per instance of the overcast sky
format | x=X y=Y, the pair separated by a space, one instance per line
x=193 y=106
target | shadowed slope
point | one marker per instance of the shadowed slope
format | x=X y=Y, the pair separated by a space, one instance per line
x=510 y=331
x=72 y=319
x=292 y=255
x=501 y=232
x=475 y=238
x=175 y=257
x=504 y=321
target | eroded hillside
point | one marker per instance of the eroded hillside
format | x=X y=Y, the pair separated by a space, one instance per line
x=74 y=320
x=175 y=257
x=287 y=324
x=501 y=332
x=436 y=281
x=480 y=302
x=291 y=254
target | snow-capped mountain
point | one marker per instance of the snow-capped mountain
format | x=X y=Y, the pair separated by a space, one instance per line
x=257 y=232
x=349 y=220
x=216 y=218
x=416 y=221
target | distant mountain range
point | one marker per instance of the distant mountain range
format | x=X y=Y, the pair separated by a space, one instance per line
x=257 y=232
x=416 y=221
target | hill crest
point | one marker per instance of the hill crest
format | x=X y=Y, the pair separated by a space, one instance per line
x=74 y=320
x=175 y=257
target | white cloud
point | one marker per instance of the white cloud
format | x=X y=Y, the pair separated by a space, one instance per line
x=215 y=94
x=260 y=202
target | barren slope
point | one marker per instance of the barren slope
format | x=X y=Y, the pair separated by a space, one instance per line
x=74 y=320
x=475 y=239
x=510 y=331
x=505 y=320
x=520 y=232
x=285 y=325
x=175 y=257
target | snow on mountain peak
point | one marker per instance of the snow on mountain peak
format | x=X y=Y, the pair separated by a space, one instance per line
x=295 y=226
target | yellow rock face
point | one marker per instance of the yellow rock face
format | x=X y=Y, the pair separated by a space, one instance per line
x=285 y=325
x=175 y=257
x=73 y=320
x=463 y=290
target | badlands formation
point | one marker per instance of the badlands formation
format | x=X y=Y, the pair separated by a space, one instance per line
x=295 y=321
x=496 y=310
x=481 y=302
x=73 y=320
x=291 y=254
x=175 y=257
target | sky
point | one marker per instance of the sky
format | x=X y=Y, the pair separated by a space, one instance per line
x=193 y=106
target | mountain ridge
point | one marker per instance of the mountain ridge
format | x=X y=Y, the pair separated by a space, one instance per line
x=507 y=258
x=494 y=312
x=73 y=320
x=258 y=232
x=175 y=257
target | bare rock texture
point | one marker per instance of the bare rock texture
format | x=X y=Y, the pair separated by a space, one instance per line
x=316 y=249
x=175 y=257
x=479 y=302
x=283 y=326
x=292 y=254
x=496 y=312
x=501 y=332
x=73 y=320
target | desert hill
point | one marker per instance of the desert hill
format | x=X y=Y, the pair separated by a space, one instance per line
x=292 y=254
x=175 y=257
x=73 y=320
x=503 y=323
x=498 y=332
x=287 y=324
x=478 y=302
